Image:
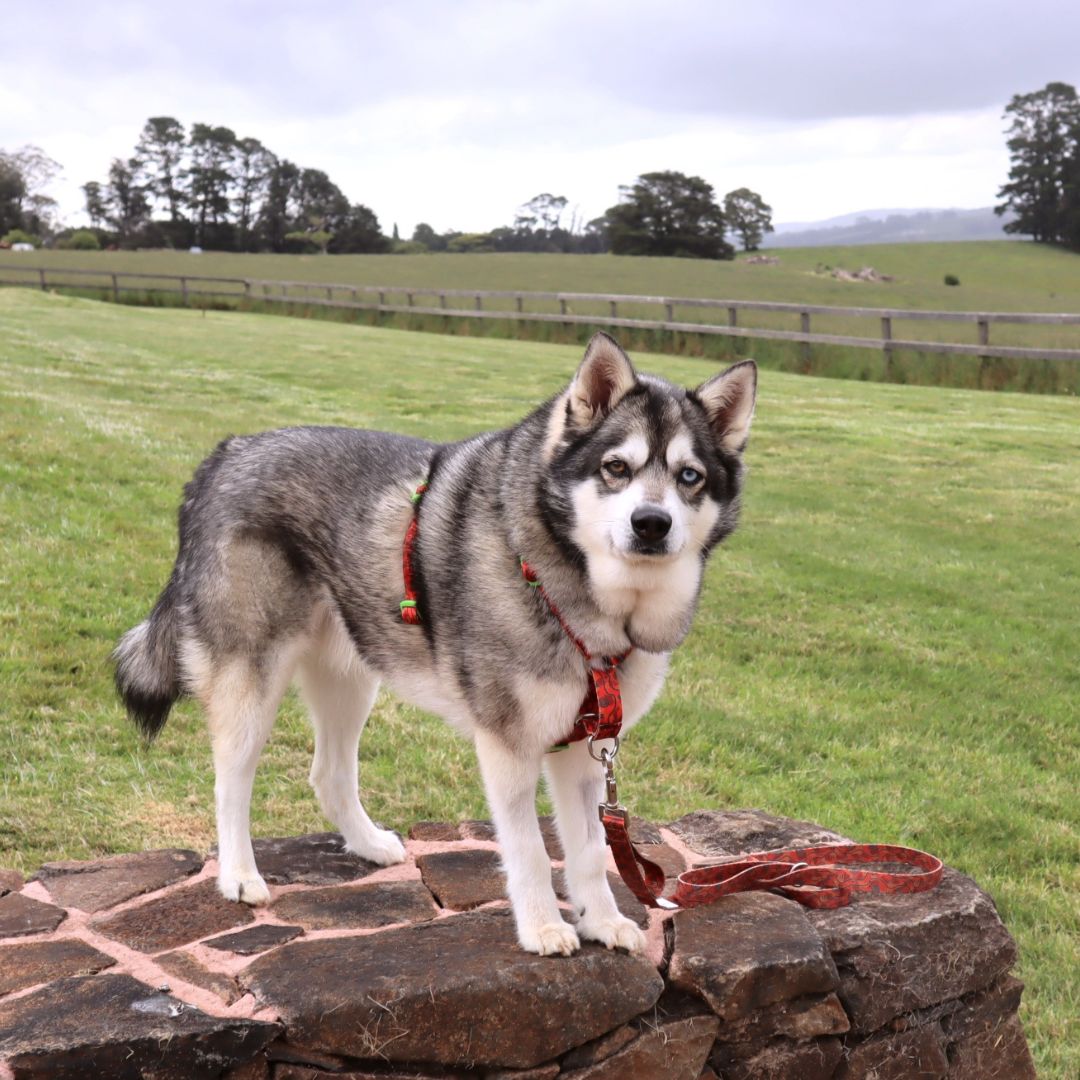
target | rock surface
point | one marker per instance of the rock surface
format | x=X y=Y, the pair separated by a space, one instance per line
x=115 y=1026
x=458 y=991
x=94 y=886
x=388 y=985
x=174 y=919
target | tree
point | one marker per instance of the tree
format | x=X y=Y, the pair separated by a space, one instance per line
x=426 y=235
x=359 y=234
x=1044 y=145
x=275 y=218
x=209 y=176
x=668 y=213
x=542 y=211
x=160 y=152
x=126 y=204
x=96 y=207
x=748 y=216
x=253 y=164
x=24 y=174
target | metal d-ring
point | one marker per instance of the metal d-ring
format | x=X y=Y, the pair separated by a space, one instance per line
x=605 y=754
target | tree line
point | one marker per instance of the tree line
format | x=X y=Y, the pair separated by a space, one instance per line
x=1044 y=178
x=206 y=187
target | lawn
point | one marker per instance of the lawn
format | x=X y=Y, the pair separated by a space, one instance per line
x=886 y=646
x=994 y=276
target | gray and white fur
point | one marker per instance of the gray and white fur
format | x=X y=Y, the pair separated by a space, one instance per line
x=290 y=565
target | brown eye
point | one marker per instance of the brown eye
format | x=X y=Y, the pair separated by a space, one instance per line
x=616 y=468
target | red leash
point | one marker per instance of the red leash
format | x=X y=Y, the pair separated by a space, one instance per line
x=819 y=877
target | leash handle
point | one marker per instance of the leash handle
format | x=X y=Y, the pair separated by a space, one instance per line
x=826 y=876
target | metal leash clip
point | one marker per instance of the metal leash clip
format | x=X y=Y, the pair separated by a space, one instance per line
x=606 y=758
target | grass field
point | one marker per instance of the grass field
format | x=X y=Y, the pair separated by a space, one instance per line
x=994 y=275
x=888 y=645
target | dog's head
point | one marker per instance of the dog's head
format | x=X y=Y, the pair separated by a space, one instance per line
x=648 y=474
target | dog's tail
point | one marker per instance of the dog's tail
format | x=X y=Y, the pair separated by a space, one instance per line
x=147 y=669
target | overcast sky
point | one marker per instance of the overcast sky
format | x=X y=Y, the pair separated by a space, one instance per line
x=456 y=111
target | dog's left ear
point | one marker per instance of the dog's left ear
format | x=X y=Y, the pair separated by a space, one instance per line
x=728 y=400
x=602 y=381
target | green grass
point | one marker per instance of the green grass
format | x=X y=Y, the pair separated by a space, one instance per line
x=887 y=645
x=994 y=275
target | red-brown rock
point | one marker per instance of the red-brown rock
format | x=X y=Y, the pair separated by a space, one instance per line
x=21 y=915
x=736 y=832
x=454 y=991
x=998 y=1053
x=747 y=951
x=802 y=1018
x=896 y=1055
x=104 y=883
x=315 y=859
x=443 y=831
x=465 y=879
x=903 y=952
x=357 y=907
x=672 y=1049
x=10 y=881
x=113 y=1026
x=42 y=961
x=184 y=966
x=255 y=939
x=175 y=919
x=778 y=1059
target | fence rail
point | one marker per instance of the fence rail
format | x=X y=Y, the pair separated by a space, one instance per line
x=335 y=295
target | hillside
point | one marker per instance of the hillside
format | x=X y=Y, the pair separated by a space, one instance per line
x=893 y=227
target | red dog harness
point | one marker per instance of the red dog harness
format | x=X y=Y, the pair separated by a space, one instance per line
x=826 y=876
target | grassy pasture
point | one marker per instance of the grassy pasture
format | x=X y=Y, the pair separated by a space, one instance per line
x=887 y=645
x=994 y=275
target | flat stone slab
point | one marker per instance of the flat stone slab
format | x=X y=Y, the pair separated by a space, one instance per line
x=21 y=915
x=357 y=907
x=672 y=1049
x=442 y=831
x=904 y=952
x=807 y=1017
x=42 y=961
x=781 y=1059
x=454 y=991
x=462 y=880
x=175 y=919
x=315 y=859
x=10 y=881
x=257 y=939
x=115 y=1026
x=104 y=883
x=747 y=951
x=184 y=966
x=736 y=832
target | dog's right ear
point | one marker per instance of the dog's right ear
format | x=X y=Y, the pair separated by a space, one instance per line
x=602 y=381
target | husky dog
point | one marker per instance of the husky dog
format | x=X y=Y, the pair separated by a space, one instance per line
x=290 y=564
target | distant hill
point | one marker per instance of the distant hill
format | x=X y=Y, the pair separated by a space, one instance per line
x=892 y=227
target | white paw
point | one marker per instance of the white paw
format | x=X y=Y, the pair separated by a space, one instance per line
x=550 y=939
x=247 y=888
x=381 y=847
x=618 y=932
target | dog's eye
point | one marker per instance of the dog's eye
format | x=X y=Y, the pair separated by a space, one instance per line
x=690 y=477
x=616 y=468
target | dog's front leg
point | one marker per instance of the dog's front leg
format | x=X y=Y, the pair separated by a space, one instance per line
x=510 y=780
x=576 y=783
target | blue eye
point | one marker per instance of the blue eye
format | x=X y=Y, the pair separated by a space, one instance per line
x=690 y=477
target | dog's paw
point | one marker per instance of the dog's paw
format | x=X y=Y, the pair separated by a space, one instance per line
x=618 y=932
x=382 y=847
x=550 y=939
x=246 y=888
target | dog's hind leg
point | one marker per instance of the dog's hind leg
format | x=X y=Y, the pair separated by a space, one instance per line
x=510 y=780
x=241 y=698
x=576 y=784
x=339 y=699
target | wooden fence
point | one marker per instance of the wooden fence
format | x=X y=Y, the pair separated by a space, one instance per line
x=511 y=305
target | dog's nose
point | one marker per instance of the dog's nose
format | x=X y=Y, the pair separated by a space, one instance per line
x=650 y=523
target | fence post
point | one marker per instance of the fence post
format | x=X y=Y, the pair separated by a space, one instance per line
x=519 y=302
x=329 y=292
x=886 y=338
x=382 y=299
x=614 y=309
x=669 y=313
x=41 y=274
x=409 y=298
x=442 y=300
x=804 y=348
x=183 y=290
x=984 y=331
x=479 y=303
x=732 y=316
x=115 y=289
x=562 y=306
x=355 y=297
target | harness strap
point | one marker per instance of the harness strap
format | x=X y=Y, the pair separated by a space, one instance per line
x=410 y=613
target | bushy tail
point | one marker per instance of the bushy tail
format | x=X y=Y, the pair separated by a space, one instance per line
x=147 y=675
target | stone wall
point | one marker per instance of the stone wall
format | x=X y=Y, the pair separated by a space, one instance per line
x=133 y=966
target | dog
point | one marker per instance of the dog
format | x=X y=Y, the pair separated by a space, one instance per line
x=290 y=564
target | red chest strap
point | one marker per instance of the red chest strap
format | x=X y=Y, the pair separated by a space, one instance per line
x=600 y=715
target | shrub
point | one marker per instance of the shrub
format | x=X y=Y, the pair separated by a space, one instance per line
x=951 y=279
x=18 y=236
x=80 y=240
